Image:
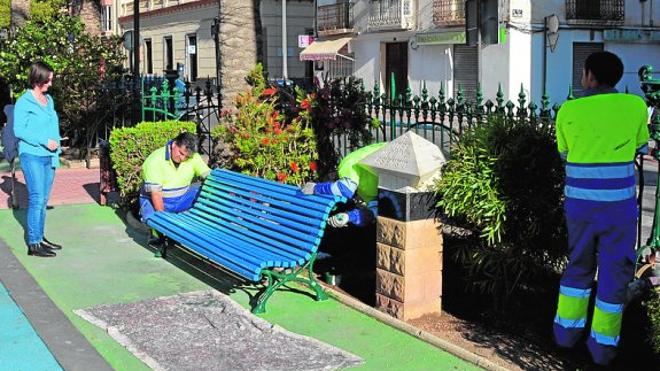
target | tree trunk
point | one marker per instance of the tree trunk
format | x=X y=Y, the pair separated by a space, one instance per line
x=240 y=45
x=20 y=11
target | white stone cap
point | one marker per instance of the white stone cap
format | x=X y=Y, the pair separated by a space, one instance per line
x=407 y=161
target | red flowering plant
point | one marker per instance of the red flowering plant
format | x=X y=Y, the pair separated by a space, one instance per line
x=258 y=140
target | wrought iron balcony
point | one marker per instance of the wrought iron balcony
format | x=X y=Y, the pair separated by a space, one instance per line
x=448 y=13
x=335 y=19
x=391 y=15
x=595 y=11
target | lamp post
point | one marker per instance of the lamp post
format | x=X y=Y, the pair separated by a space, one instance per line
x=137 y=101
x=285 y=72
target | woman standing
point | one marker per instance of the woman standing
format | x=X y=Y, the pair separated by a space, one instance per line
x=36 y=127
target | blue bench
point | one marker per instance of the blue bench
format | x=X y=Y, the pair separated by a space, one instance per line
x=254 y=228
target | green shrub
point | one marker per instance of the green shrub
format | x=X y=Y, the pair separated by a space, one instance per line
x=652 y=307
x=258 y=140
x=129 y=147
x=44 y=10
x=505 y=183
x=5 y=14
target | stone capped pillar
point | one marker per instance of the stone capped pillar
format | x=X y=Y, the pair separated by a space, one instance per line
x=409 y=239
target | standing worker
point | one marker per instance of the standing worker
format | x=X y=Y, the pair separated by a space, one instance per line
x=599 y=135
x=37 y=130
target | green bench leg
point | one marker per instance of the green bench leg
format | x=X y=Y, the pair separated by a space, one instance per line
x=276 y=280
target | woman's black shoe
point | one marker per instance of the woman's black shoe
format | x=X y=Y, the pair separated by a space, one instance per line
x=37 y=249
x=50 y=245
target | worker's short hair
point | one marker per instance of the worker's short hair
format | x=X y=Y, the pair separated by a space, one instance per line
x=606 y=67
x=39 y=73
x=188 y=141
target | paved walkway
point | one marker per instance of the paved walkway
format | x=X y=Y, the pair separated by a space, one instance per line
x=71 y=186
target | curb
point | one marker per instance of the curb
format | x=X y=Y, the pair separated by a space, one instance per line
x=412 y=330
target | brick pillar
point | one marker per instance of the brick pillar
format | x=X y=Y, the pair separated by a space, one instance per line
x=409 y=256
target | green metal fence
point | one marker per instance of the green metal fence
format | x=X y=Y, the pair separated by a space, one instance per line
x=442 y=119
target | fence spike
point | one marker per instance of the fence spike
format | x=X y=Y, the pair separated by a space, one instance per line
x=499 y=97
x=522 y=99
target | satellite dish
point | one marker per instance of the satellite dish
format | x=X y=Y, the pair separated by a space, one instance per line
x=128 y=40
x=552 y=31
x=413 y=44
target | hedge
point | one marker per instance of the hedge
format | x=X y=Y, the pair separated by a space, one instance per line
x=129 y=147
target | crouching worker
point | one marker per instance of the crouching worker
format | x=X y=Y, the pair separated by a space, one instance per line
x=358 y=183
x=167 y=175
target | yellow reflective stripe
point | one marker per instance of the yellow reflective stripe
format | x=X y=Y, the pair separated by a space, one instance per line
x=606 y=323
x=572 y=308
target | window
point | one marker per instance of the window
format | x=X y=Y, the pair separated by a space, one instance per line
x=466 y=70
x=106 y=18
x=168 y=53
x=149 y=56
x=192 y=57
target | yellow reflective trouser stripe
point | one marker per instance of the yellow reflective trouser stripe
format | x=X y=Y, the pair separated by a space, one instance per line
x=572 y=308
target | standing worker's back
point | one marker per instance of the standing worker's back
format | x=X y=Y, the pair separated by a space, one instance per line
x=599 y=136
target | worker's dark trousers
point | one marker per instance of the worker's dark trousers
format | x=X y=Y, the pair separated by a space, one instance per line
x=600 y=235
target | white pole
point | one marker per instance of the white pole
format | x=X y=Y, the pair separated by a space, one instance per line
x=285 y=72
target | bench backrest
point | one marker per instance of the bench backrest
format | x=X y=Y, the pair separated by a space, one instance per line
x=255 y=209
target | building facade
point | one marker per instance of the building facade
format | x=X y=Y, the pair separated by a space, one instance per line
x=424 y=42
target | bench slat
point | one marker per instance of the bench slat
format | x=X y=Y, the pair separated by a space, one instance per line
x=237 y=255
x=249 y=195
x=262 y=219
x=166 y=228
x=288 y=244
x=303 y=223
x=298 y=202
x=245 y=253
x=246 y=244
x=272 y=187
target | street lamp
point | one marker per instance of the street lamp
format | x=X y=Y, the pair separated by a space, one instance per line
x=137 y=102
x=285 y=72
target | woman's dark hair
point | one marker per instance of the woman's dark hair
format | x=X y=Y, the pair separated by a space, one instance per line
x=606 y=67
x=39 y=73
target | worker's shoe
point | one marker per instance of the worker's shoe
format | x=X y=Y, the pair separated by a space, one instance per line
x=50 y=245
x=36 y=249
x=156 y=242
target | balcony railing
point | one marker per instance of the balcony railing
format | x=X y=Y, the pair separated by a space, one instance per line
x=335 y=19
x=391 y=15
x=595 y=11
x=448 y=13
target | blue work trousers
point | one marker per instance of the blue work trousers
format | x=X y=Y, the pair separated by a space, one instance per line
x=172 y=204
x=601 y=236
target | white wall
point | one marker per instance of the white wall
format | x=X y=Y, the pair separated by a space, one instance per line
x=634 y=56
x=495 y=69
x=430 y=64
x=367 y=60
